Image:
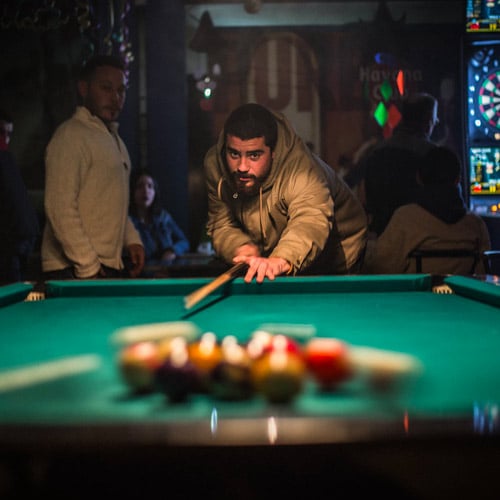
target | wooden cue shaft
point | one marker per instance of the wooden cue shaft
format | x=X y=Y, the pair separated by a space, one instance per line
x=193 y=298
x=26 y=376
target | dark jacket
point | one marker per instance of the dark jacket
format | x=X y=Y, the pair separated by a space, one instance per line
x=390 y=175
x=19 y=228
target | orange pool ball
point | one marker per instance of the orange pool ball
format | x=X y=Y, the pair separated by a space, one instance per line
x=328 y=362
x=205 y=353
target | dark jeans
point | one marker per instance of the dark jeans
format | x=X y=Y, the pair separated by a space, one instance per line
x=10 y=269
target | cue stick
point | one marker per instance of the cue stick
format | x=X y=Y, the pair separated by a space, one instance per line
x=18 y=378
x=198 y=295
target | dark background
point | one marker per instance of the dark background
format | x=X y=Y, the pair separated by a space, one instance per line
x=168 y=125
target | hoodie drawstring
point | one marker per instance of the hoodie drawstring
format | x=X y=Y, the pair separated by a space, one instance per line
x=261 y=207
x=219 y=188
x=261 y=215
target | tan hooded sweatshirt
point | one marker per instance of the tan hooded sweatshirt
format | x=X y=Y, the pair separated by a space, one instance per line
x=304 y=212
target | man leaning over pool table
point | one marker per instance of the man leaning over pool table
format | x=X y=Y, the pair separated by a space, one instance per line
x=276 y=206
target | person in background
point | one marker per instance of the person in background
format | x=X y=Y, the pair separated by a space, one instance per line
x=276 y=206
x=388 y=172
x=437 y=220
x=87 y=183
x=162 y=238
x=350 y=166
x=19 y=227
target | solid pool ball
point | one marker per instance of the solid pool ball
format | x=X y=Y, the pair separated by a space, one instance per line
x=263 y=342
x=258 y=343
x=283 y=343
x=230 y=379
x=205 y=355
x=138 y=363
x=328 y=362
x=177 y=377
x=279 y=375
x=164 y=347
x=301 y=332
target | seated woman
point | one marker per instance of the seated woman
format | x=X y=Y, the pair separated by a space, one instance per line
x=438 y=220
x=163 y=239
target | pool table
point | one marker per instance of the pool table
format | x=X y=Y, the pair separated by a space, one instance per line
x=435 y=436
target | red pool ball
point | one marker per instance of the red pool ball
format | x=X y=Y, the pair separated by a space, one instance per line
x=138 y=363
x=328 y=361
x=258 y=343
x=284 y=344
x=263 y=342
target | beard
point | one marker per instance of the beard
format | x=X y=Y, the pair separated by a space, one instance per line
x=248 y=187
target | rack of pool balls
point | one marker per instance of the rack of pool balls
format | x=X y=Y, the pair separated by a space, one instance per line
x=177 y=359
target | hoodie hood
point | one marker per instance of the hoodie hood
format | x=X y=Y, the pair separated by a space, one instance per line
x=302 y=212
x=287 y=142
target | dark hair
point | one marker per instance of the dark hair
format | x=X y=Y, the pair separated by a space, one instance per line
x=134 y=179
x=89 y=68
x=252 y=120
x=440 y=165
x=418 y=108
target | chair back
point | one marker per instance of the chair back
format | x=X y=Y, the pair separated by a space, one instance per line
x=421 y=255
x=491 y=259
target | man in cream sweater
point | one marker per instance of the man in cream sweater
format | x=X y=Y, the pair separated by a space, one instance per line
x=87 y=184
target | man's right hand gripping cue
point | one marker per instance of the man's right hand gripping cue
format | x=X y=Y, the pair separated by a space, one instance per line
x=260 y=267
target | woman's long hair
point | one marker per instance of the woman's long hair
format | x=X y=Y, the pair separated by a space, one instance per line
x=155 y=208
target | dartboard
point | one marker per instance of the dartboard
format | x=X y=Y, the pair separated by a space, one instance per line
x=489 y=99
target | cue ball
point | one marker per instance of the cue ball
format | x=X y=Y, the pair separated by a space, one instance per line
x=138 y=363
x=327 y=361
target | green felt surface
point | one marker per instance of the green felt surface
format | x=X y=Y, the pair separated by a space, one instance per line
x=455 y=336
x=14 y=293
